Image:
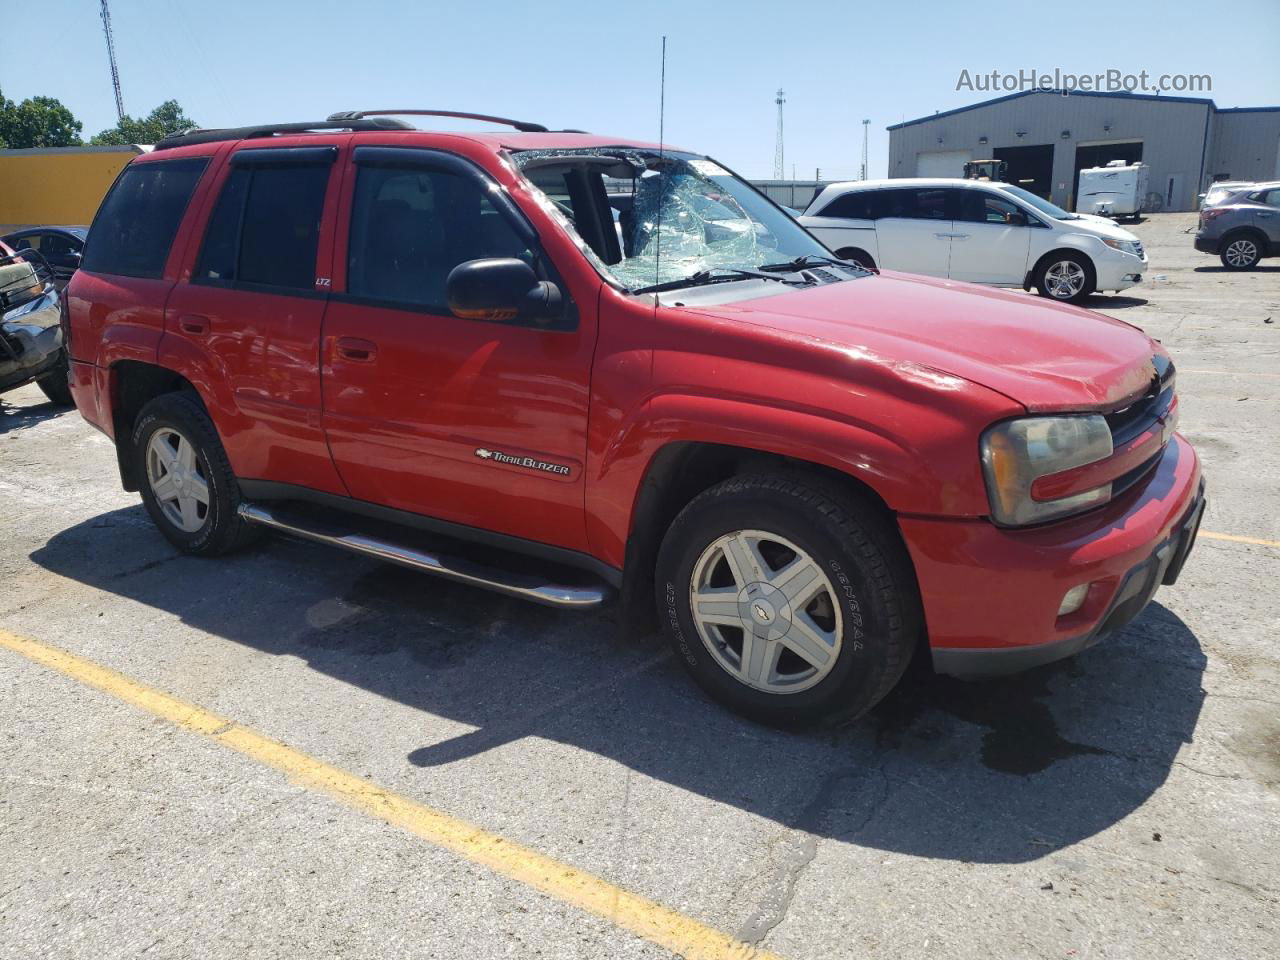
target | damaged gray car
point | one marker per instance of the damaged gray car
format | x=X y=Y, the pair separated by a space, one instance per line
x=31 y=335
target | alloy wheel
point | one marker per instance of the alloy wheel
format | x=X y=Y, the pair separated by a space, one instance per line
x=1241 y=253
x=766 y=611
x=177 y=479
x=1065 y=279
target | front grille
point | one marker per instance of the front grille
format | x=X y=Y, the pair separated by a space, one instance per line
x=1146 y=410
x=1126 y=480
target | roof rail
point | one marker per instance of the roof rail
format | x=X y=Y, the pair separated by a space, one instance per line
x=186 y=138
x=521 y=125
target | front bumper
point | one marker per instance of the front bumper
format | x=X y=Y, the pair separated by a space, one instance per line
x=30 y=340
x=1119 y=271
x=991 y=595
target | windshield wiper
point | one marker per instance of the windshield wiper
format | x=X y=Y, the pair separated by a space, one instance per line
x=716 y=275
x=809 y=260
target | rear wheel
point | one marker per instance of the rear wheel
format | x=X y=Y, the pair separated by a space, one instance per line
x=787 y=603
x=1066 y=277
x=860 y=257
x=187 y=483
x=1241 y=252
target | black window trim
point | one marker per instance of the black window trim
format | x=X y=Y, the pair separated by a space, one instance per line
x=275 y=157
x=431 y=158
x=202 y=160
x=284 y=156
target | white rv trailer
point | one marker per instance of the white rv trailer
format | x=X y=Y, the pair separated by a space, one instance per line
x=1116 y=190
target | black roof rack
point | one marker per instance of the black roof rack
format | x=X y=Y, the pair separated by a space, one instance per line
x=186 y=138
x=521 y=125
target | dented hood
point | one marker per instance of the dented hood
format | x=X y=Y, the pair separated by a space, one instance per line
x=1046 y=356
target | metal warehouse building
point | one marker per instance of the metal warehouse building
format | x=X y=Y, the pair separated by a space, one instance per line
x=1047 y=138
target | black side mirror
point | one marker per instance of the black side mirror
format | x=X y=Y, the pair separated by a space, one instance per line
x=502 y=289
x=1017 y=219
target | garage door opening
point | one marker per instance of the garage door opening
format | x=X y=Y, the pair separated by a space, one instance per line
x=1099 y=155
x=942 y=163
x=1029 y=167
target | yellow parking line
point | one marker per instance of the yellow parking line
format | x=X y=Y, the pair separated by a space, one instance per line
x=1235 y=539
x=658 y=924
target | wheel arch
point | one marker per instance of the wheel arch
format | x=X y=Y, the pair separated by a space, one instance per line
x=677 y=473
x=853 y=252
x=1247 y=230
x=1044 y=259
x=134 y=383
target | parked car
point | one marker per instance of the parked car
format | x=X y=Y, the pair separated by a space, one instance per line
x=435 y=349
x=977 y=231
x=1243 y=228
x=61 y=247
x=1220 y=191
x=31 y=346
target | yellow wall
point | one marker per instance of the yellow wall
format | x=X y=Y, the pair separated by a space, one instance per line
x=62 y=186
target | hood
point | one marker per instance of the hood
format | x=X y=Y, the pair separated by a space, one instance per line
x=1046 y=356
x=1097 y=226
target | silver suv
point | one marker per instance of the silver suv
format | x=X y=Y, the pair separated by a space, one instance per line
x=1244 y=228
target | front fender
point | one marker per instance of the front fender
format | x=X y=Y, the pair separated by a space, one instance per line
x=922 y=460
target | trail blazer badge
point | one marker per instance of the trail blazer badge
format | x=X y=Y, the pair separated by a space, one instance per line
x=529 y=463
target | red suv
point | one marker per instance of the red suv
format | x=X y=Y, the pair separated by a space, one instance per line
x=562 y=366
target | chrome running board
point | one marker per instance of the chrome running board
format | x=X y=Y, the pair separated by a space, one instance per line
x=511 y=583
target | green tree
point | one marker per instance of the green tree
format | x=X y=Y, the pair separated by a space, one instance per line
x=164 y=119
x=37 y=122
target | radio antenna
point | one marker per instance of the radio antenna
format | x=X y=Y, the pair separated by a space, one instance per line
x=662 y=114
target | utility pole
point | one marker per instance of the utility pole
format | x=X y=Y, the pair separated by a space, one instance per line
x=779 y=168
x=111 y=55
x=866 y=126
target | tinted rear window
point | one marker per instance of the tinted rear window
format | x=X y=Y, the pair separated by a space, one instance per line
x=266 y=227
x=136 y=224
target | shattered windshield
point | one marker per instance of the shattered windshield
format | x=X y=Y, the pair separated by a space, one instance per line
x=648 y=219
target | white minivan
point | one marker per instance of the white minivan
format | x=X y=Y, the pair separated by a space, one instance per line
x=975 y=230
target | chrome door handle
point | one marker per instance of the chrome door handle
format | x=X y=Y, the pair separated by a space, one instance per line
x=943 y=236
x=959 y=236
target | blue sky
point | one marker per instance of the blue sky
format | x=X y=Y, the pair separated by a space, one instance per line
x=595 y=66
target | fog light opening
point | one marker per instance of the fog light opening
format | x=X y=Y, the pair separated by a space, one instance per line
x=1073 y=599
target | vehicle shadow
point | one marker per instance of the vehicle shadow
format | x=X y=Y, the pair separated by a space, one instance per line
x=1098 y=302
x=14 y=417
x=1001 y=771
x=1260 y=268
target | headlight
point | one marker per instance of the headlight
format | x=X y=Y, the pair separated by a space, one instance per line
x=1016 y=452
x=1131 y=247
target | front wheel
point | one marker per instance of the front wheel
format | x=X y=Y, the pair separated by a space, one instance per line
x=788 y=603
x=56 y=386
x=1066 y=277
